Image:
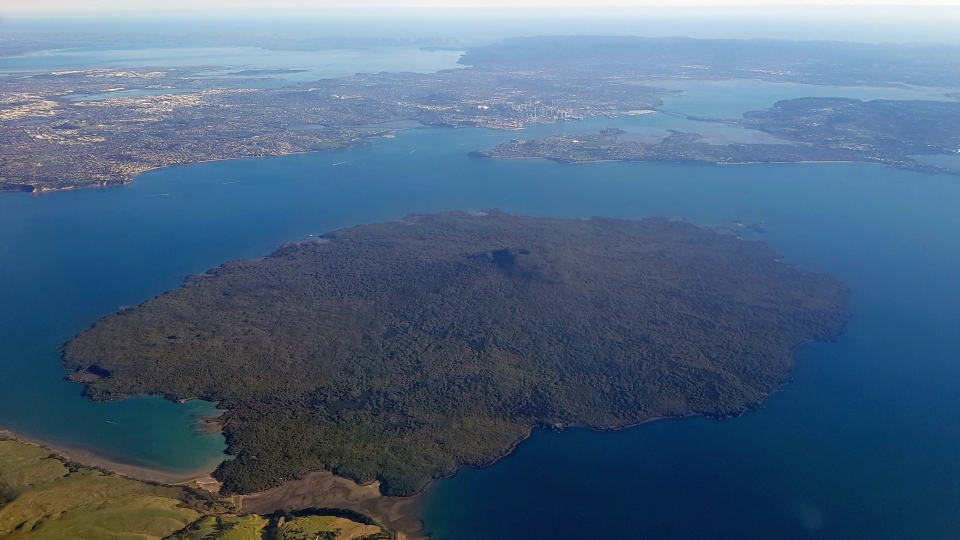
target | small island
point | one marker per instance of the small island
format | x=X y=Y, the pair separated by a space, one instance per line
x=398 y=352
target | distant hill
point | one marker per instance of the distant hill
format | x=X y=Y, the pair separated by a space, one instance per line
x=811 y=62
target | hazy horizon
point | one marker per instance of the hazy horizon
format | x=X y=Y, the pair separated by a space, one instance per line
x=872 y=24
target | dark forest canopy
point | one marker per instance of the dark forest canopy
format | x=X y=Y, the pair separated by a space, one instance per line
x=401 y=351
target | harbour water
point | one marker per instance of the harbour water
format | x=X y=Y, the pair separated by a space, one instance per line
x=276 y=65
x=863 y=443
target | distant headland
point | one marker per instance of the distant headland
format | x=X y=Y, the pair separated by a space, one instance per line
x=55 y=136
x=894 y=133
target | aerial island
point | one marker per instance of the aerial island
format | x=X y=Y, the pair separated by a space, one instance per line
x=401 y=351
x=88 y=127
x=809 y=129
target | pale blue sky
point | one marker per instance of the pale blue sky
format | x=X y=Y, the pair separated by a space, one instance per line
x=852 y=20
x=64 y=6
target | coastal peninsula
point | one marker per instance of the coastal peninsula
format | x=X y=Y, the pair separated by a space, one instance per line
x=102 y=127
x=401 y=351
x=806 y=129
x=89 y=127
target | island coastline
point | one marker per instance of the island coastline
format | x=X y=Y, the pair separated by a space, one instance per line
x=99 y=459
x=510 y=434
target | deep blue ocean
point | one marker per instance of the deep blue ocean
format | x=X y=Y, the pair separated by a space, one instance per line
x=863 y=443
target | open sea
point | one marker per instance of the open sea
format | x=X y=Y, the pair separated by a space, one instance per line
x=863 y=443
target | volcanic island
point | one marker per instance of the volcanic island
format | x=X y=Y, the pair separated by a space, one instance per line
x=401 y=351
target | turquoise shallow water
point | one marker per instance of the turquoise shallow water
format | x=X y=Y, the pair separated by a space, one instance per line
x=864 y=443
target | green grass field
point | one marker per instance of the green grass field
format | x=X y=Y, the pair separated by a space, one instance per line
x=327 y=528
x=249 y=527
x=43 y=498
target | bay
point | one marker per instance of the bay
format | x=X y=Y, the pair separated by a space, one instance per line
x=283 y=66
x=864 y=443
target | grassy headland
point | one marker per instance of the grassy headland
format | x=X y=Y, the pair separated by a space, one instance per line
x=43 y=496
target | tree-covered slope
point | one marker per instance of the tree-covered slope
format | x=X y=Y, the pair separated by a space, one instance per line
x=400 y=351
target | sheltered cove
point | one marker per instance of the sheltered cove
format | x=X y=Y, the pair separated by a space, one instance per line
x=402 y=351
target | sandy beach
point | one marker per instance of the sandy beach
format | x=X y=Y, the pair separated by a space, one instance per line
x=200 y=478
